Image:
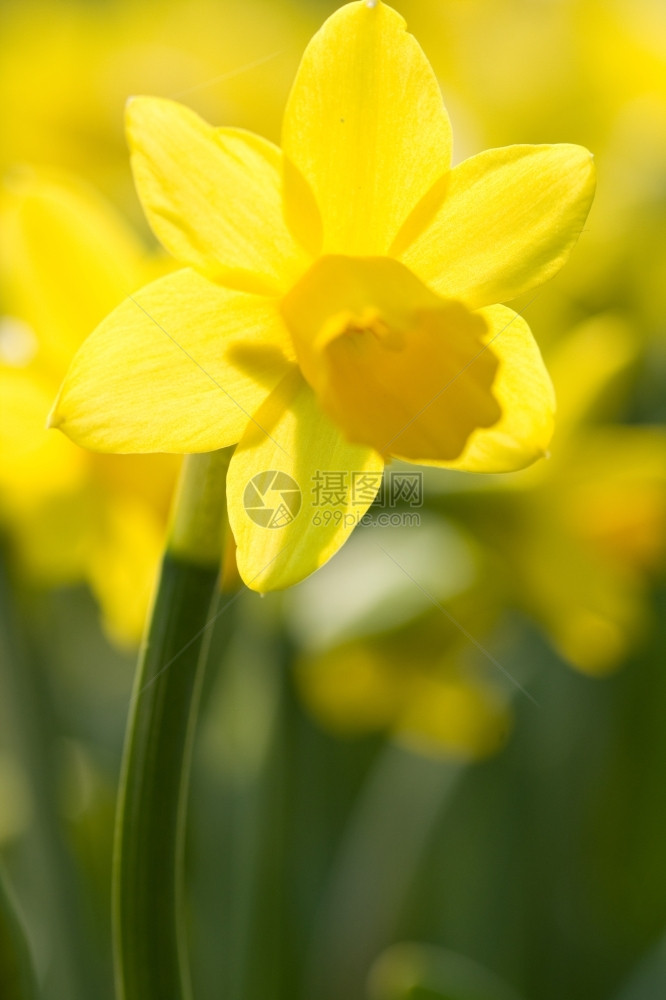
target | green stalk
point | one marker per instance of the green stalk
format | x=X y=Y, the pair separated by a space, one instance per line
x=148 y=905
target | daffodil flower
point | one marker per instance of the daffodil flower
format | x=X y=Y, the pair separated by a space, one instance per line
x=591 y=528
x=338 y=304
x=573 y=543
x=389 y=682
x=60 y=88
x=70 y=516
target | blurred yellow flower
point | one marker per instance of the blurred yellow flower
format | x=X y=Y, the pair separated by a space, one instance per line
x=594 y=525
x=397 y=684
x=66 y=70
x=575 y=541
x=66 y=259
x=572 y=543
x=338 y=304
x=539 y=70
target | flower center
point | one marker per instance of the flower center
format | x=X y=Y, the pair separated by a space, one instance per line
x=396 y=366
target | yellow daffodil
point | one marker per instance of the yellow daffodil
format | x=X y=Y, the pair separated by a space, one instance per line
x=573 y=544
x=397 y=683
x=594 y=523
x=338 y=303
x=66 y=68
x=575 y=541
x=543 y=70
x=71 y=516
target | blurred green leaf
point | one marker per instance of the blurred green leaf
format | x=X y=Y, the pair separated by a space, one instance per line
x=17 y=980
x=648 y=979
x=421 y=972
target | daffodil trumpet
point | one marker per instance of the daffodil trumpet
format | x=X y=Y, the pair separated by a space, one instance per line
x=150 y=954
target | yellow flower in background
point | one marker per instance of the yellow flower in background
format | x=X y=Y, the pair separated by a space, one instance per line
x=575 y=541
x=544 y=70
x=71 y=516
x=396 y=683
x=338 y=301
x=606 y=539
x=594 y=523
x=66 y=69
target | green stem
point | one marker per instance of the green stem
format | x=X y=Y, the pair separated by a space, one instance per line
x=151 y=961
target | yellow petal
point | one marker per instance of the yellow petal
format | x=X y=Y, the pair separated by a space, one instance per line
x=366 y=127
x=397 y=368
x=352 y=689
x=593 y=611
x=296 y=488
x=508 y=221
x=453 y=715
x=67 y=259
x=525 y=394
x=179 y=367
x=33 y=463
x=617 y=494
x=122 y=564
x=212 y=196
x=588 y=367
x=52 y=538
x=148 y=478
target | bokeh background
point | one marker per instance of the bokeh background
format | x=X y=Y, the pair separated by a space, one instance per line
x=436 y=769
